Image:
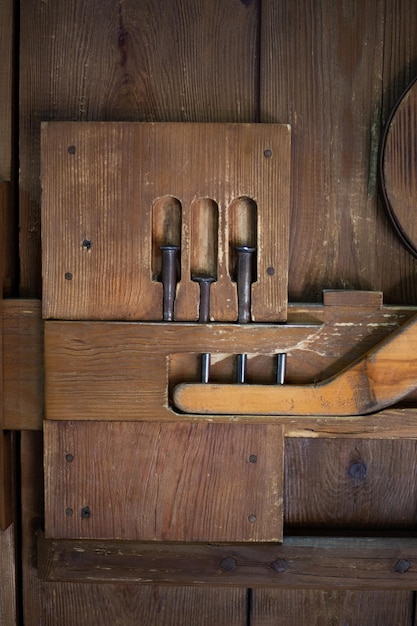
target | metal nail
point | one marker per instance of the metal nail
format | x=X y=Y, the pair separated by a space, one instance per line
x=244 y=286
x=281 y=367
x=203 y=318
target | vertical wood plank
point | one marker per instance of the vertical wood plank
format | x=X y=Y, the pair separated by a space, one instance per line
x=321 y=71
x=327 y=608
x=6 y=82
x=8 y=608
x=357 y=484
x=185 y=61
x=141 y=604
x=181 y=481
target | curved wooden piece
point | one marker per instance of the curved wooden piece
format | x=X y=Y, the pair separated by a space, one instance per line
x=381 y=378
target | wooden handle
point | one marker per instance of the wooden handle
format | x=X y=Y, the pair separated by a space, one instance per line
x=381 y=378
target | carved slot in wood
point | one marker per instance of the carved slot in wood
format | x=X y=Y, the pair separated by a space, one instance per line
x=166 y=229
x=242 y=218
x=204 y=238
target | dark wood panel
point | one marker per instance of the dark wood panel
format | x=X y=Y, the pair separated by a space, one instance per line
x=8 y=607
x=323 y=71
x=301 y=562
x=185 y=61
x=6 y=83
x=22 y=364
x=327 y=608
x=181 y=481
x=107 y=605
x=342 y=484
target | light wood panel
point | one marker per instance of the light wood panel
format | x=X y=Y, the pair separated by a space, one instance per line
x=8 y=604
x=356 y=484
x=163 y=482
x=103 y=180
x=190 y=61
x=327 y=608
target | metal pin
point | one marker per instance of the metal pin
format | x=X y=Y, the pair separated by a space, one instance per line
x=244 y=286
x=281 y=367
x=244 y=282
x=169 y=280
x=241 y=367
x=203 y=318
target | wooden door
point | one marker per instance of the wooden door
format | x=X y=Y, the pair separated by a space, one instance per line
x=331 y=70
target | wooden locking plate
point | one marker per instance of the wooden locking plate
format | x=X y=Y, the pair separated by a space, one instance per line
x=164 y=482
x=113 y=193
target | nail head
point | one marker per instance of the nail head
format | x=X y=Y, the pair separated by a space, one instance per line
x=68 y=276
x=267 y=153
x=72 y=149
x=252 y=519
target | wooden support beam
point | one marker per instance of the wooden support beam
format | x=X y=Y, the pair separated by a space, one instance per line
x=300 y=562
x=22 y=365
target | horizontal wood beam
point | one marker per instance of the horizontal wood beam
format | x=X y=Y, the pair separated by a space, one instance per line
x=300 y=562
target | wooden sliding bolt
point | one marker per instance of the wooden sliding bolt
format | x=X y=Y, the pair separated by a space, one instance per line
x=244 y=285
x=203 y=318
x=169 y=280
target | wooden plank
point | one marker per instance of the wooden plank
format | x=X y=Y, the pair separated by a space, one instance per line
x=350 y=484
x=107 y=605
x=6 y=498
x=8 y=608
x=105 y=264
x=6 y=82
x=80 y=357
x=329 y=607
x=325 y=77
x=190 y=482
x=155 y=76
x=7 y=248
x=340 y=297
x=299 y=563
x=22 y=364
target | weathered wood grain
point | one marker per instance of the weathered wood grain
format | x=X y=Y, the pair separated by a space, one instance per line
x=8 y=605
x=6 y=82
x=23 y=400
x=300 y=562
x=350 y=484
x=126 y=604
x=163 y=482
x=329 y=607
x=7 y=238
x=188 y=61
x=6 y=497
x=327 y=70
x=103 y=180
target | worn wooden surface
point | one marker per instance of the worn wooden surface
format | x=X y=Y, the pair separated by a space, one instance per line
x=181 y=482
x=327 y=608
x=332 y=484
x=146 y=81
x=8 y=604
x=6 y=82
x=103 y=180
x=300 y=562
x=333 y=70
x=334 y=78
x=22 y=364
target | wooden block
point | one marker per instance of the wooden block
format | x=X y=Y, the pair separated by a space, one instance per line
x=103 y=221
x=6 y=237
x=299 y=563
x=347 y=297
x=22 y=364
x=163 y=482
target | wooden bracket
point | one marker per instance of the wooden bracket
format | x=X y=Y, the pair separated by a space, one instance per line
x=381 y=378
